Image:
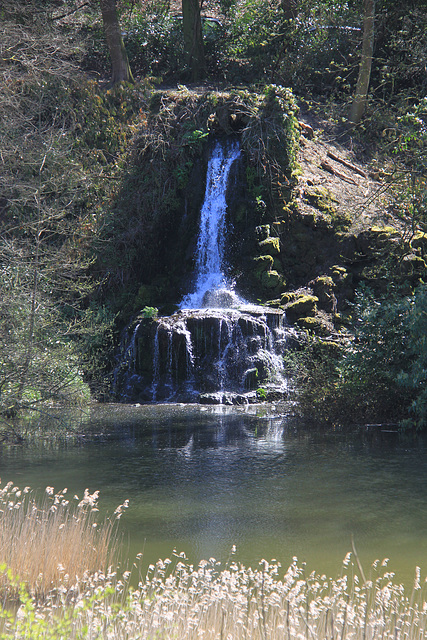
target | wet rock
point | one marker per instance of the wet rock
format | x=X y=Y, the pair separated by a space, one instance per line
x=270 y=246
x=263 y=263
x=250 y=378
x=210 y=398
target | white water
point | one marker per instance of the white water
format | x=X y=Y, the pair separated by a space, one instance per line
x=211 y=287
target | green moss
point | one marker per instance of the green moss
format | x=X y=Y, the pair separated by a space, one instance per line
x=325 y=202
x=271 y=279
x=288 y=296
x=341 y=220
x=386 y=232
x=341 y=275
x=262 y=232
x=413 y=264
x=263 y=263
x=314 y=325
x=271 y=246
x=305 y=305
x=321 y=199
x=325 y=281
x=419 y=241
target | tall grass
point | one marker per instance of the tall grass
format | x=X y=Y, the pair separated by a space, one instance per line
x=178 y=600
x=58 y=560
x=53 y=540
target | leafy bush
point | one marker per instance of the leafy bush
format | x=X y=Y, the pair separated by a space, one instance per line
x=414 y=376
x=370 y=367
x=380 y=375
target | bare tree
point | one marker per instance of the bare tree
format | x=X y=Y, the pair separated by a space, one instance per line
x=359 y=101
x=121 y=69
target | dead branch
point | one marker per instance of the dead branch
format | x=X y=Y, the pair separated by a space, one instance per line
x=347 y=164
x=328 y=167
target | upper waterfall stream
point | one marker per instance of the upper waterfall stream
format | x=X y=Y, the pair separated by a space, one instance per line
x=210 y=281
x=217 y=348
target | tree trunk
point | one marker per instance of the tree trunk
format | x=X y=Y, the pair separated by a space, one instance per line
x=359 y=101
x=193 y=39
x=121 y=69
x=289 y=9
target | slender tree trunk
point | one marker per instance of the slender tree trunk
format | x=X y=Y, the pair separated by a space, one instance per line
x=29 y=347
x=120 y=63
x=193 y=39
x=289 y=9
x=359 y=101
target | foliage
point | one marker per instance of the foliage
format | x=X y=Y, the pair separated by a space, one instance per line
x=381 y=372
x=370 y=367
x=149 y=312
x=312 y=367
x=413 y=377
x=62 y=139
x=38 y=360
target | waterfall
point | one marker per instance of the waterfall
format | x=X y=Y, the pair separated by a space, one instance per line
x=211 y=286
x=217 y=348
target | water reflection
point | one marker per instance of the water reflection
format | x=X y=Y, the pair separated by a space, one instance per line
x=201 y=479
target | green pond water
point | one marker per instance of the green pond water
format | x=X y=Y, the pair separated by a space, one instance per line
x=202 y=479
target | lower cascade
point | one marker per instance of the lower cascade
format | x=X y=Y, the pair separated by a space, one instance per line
x=207 y=355
x=216 y=349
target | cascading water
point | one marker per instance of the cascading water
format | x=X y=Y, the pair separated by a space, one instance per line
x=211 y=283
x=217 y=348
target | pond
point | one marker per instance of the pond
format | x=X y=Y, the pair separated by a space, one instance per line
x=201 y=479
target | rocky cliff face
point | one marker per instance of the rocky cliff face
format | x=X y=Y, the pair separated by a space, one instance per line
x=305 y=222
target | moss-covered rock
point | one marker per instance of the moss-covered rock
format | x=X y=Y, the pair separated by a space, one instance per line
x=413 y=265
x=339 y=273
x=315 y=325
x=271 y=279
x=288 y=296
x=321 y=199
x=323 y=287
x=304 y=306
x=270 y=246
x=419 y=241
x=377 y=238
x=262 y=232
x=384 y=232
x=263 y=263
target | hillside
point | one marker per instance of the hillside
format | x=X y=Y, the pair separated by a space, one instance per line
x=96 y=181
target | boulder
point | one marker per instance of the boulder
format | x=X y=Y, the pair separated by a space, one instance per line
x=304 y=306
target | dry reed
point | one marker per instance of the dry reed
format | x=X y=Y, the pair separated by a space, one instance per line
x=52 y=541
x=178 y=600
